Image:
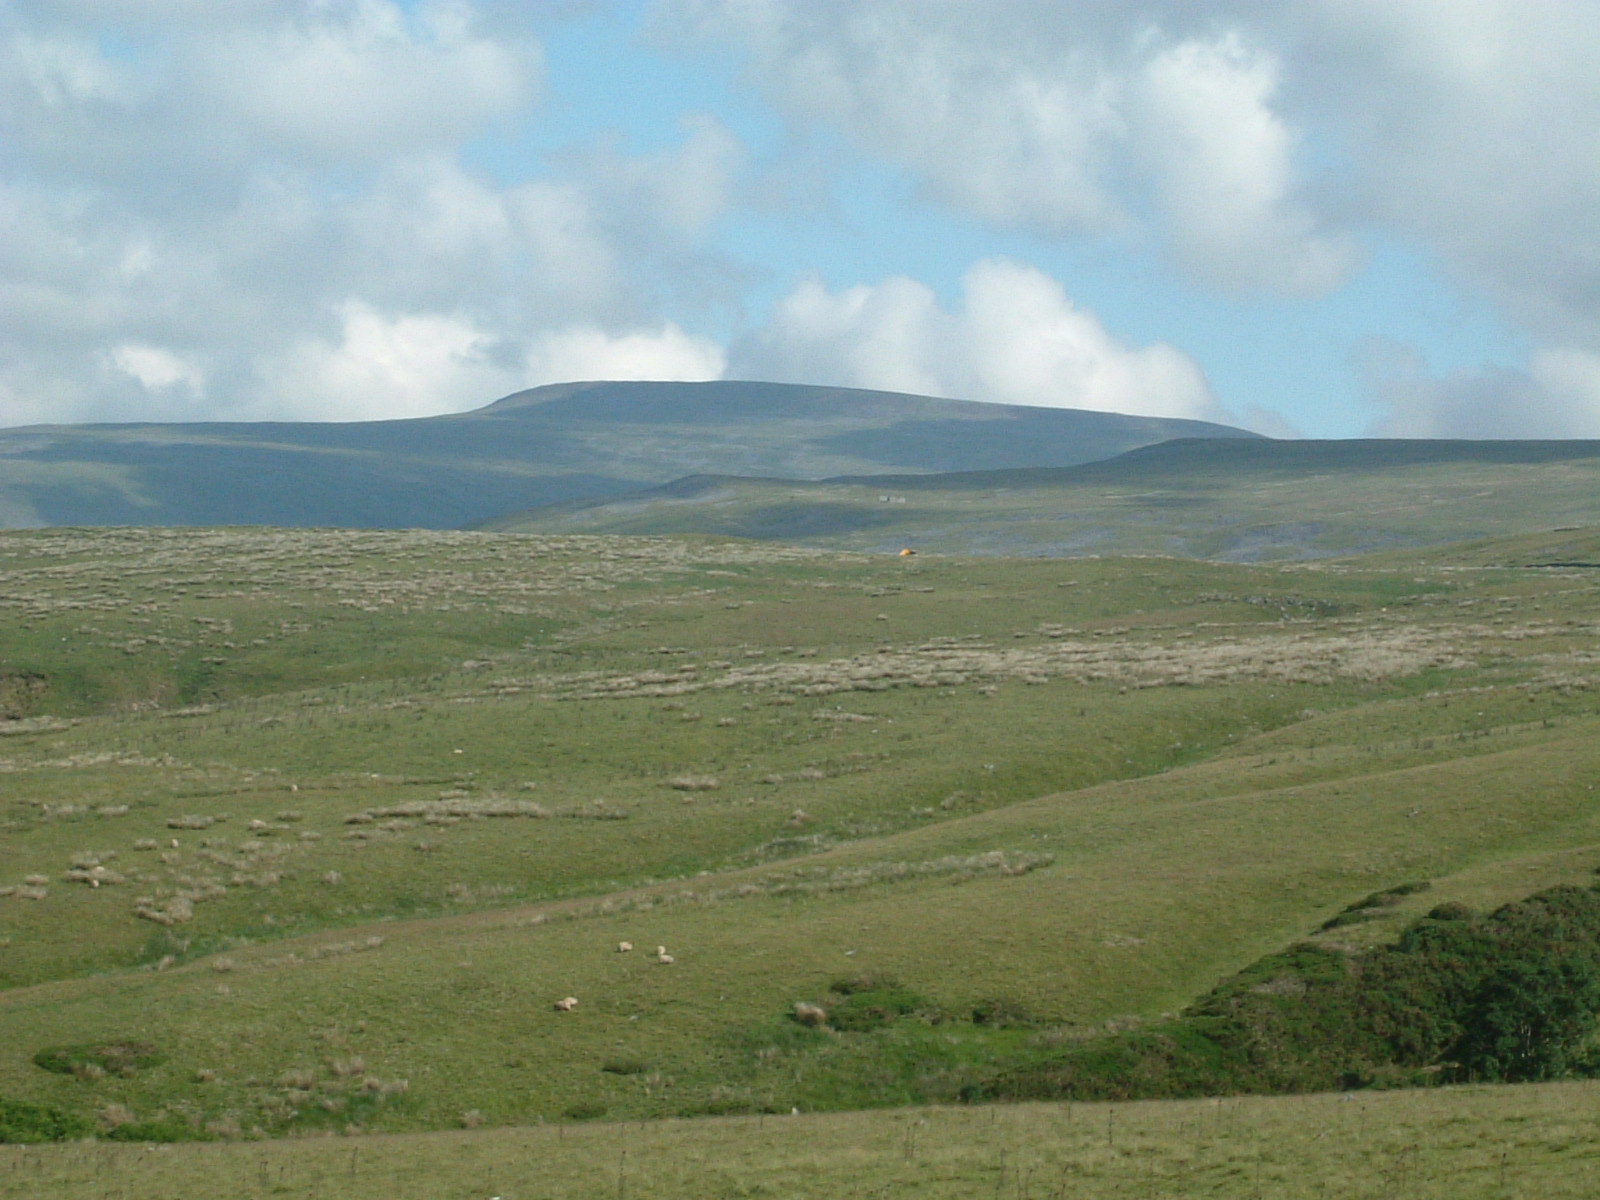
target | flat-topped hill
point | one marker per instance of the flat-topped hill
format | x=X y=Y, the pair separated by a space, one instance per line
x=561 y=443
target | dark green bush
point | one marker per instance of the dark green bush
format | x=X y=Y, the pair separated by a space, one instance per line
x=168 y=1129
x=1512 y=995
x=1529 y=1018
x=1368 y=907
x=25 y=1124
x=114 y=1058
x=871 y=1003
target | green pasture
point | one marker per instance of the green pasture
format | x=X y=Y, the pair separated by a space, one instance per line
x=328 y=821
x=1219 y=500
x=1475 y=1143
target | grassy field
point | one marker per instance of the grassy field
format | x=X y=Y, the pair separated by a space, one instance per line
x=307 y=831
x=1454 y=1144
x=1229 y=500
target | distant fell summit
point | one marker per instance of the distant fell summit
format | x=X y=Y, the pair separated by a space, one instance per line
x=547 y=445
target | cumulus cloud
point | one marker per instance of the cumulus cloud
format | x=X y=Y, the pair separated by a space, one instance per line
x=1017 y=339
x=156 y=369
x=1221 y=165
x=384 y=366
x=219 y=208
x=1056 y=118
x=352 y=81
x=1259 y=144
x=1558 y=396
x=263 y=209
x=572 y=355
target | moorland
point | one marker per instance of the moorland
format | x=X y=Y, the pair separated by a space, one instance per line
x=307 y=831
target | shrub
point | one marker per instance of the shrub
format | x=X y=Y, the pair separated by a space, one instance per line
x=869 y=1001
x=1529 y=1017
x=1513 y=995
x=165 y=1129
x=26 y=1124
x=115 y=1058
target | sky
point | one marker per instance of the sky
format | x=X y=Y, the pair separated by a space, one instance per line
x=1317 y=218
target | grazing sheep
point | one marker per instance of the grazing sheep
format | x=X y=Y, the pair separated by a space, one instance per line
x=813 y=1016
x=662 y=956
x=624 y=947
x=567 y=1004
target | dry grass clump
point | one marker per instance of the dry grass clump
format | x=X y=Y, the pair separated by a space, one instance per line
x=177 y=910
x=113 y=1116
x=336 y=949
x=451 y=808
x=694 y=783
x=94 y=876
x=1297 y=654
x=193 y=821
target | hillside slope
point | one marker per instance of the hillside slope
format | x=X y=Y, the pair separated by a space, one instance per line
x=547 y=445
x=1233 y=500
x=319 y=825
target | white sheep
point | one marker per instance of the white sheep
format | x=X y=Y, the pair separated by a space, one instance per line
x=624 y=947
x=662 y=956
x=567 y=1004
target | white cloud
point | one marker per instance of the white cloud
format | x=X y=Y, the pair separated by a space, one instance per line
x=1260 y=143
x=366 y=78
x=1055 y=118
x=157 y=369
x=672 y=195
x=262 y=209
x=1558 y=396
x=1017 y=340
x=572 y=355
x=1221 y=161
x=64 y=71
x=885 y=336
x=383 y=367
